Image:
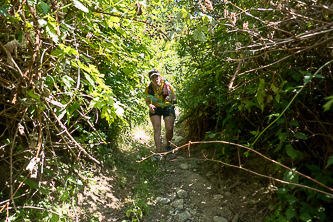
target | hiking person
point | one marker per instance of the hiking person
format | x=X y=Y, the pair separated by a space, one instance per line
x=160 y=98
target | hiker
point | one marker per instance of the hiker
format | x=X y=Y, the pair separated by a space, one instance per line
x=160 y=98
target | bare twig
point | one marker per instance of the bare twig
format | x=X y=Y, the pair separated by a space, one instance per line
x=62 y=137
x=70 y=136
x=236 y=72
x=250 y=171
x=137 y=20
x=273 y=161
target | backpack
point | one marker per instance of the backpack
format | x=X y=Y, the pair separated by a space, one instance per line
x=166 y=90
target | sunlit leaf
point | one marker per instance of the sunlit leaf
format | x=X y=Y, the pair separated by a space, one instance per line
x=32 y=2
x=68 y=81
x=80 y=6
x=52 y=33
x=42 y=22
x=292 y=177
x=179 y=15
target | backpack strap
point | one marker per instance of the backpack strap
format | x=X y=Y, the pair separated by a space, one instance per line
x=165 y=88
x=151 y=90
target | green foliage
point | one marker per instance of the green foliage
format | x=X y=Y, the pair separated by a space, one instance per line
x=250 y=72
x=241 y=85
x=303 y=205
x=137 y=210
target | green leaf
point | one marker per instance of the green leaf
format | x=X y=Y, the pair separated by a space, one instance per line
x=291 y=151
x=3 y=11
x=283 y=137
x=49 y=80
x=292 y=177
x=274 y=88
x=90 y=80
x=328 y=104
x=296 y=75
x=307 y=76
x=277 y=98
x=294 y=123
x=202 y=36
x=64 y=195
x=80 y=6
x=291 y=199
x=114 y=19
x=273 y=115
x=280 y=121
x=68 y=81
x=71 y=109
x=52 y=33
x=290 y=213
x=30 y=183
x=179 y=15
x=330 y=161
x=57 y=53
x=55 y=218
x=313 y=167
x=319 y=76
x=301 y=136
x=305 y=217
x=32 y=2
x=33 y=95
x=45 y=8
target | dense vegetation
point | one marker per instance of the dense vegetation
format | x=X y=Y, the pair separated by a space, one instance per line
x=255 y=73
x=259 y=73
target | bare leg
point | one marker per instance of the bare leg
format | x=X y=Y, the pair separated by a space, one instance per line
x=169 y=122
x=156 y=121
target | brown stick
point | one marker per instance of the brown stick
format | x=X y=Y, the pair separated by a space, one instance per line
x=236 y=73
x=70 y=136
x=265 y=157
x=62 y=137
x=253 y=172
x=81 y=114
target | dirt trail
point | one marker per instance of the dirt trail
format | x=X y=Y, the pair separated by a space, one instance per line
x=193 y=191
x=188 y=191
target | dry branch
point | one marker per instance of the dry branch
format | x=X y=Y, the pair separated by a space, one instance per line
x=69 y=135
x=250 y=171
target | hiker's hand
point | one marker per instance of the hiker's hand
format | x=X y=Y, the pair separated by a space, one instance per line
x=152 y=108
x=168 y=99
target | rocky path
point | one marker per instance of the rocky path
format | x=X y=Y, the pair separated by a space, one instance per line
x=192 y=191
x=187 y=190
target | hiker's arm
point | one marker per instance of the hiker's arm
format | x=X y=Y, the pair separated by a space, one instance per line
x=150 y=105
x=147 y=101
x=173 y=98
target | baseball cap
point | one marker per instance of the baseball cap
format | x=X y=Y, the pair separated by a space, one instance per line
x=153 y=72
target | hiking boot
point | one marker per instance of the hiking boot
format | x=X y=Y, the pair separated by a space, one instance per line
x=156 y=158
x=168 y=148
